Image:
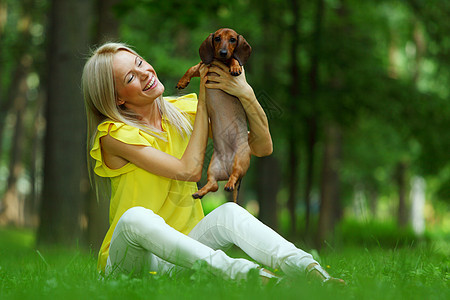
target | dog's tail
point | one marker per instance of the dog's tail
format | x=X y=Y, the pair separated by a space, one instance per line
x=236 y=191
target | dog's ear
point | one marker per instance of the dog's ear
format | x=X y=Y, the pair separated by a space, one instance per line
x=207 y=49
x=242 y=51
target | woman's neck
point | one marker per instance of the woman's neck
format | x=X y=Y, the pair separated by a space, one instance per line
x=151 y=115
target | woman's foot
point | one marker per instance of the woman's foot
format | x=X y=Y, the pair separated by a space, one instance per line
x=316 y=272
x=266 y=276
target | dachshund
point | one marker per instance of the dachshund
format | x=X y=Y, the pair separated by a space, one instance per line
x=231 y=156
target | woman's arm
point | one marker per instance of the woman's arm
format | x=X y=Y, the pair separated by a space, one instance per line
x=187 y=168
x=259 y=138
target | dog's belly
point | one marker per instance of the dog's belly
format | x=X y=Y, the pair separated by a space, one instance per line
x=229 y=130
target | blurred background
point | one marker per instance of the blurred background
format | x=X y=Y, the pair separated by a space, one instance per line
x=356 y=93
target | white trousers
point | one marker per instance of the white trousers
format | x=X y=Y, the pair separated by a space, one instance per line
x=143 y=242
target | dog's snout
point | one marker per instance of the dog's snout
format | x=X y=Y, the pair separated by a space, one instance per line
x=223 y=52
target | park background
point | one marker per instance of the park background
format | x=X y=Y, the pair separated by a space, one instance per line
x=356 y=93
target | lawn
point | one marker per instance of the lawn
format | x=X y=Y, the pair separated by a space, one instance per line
x=406 y=272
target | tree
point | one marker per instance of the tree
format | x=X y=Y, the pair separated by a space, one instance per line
x=19 y=59
x=65 y=187
x=12 y=212
x=330 y=183
x=97 y=210
x=269 y=180
x=293 y=130
x=311 y=120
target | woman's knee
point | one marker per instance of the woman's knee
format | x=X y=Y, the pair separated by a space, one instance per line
x=231 y=207
x=230 y=210
x=139 y=216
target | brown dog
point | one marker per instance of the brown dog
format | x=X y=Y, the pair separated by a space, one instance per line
x=231 y=157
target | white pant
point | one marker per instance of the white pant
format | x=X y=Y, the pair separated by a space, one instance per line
x=143 y=242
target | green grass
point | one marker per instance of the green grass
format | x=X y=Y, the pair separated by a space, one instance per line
x=419 y=272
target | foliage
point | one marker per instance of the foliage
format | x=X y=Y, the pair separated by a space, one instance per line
x=371 y=273
x=376 y=233
x=382 y=76
x=359 y=81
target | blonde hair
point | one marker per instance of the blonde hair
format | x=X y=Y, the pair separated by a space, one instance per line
x=101 y=100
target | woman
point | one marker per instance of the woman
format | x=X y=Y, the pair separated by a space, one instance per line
x=152 y=151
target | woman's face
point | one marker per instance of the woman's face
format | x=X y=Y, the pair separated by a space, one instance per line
x=135 y=80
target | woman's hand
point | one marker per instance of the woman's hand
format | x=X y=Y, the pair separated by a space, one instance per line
x=233 y=85
x=259 y=138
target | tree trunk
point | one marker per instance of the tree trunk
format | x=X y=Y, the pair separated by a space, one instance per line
x=293 y=135
x=97 y=210
x=21 y=56
x=108 y=26
x=310 y=154
x=268 y=185
x=311 y=122
x=330 y=193
x=402 y=210
x=32 y=203
x=12 y=212
x=373 y=202
x=65 y=149
x=268 y=17
x=293 y=182
x=267 y=167
x=419 y=41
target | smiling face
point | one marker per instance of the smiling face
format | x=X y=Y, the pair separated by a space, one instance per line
x=135 y=80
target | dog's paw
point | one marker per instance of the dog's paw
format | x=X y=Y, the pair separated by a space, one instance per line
x=229 y=188
x=182 y=84
x=196 y=196
x=235 y=70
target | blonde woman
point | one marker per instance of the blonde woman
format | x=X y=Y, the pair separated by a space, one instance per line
x=151 y=149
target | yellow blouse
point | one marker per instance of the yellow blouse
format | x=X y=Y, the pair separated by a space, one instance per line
x=132 y=186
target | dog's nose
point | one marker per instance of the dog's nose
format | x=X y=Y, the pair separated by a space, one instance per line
x=223 y=52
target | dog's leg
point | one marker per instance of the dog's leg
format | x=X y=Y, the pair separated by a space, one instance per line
x=240 y=166
x=211 y=185
x=191 y=72
x=235 y=68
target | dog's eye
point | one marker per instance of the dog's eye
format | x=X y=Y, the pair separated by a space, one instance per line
x=217 y=38
x=232 y=40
